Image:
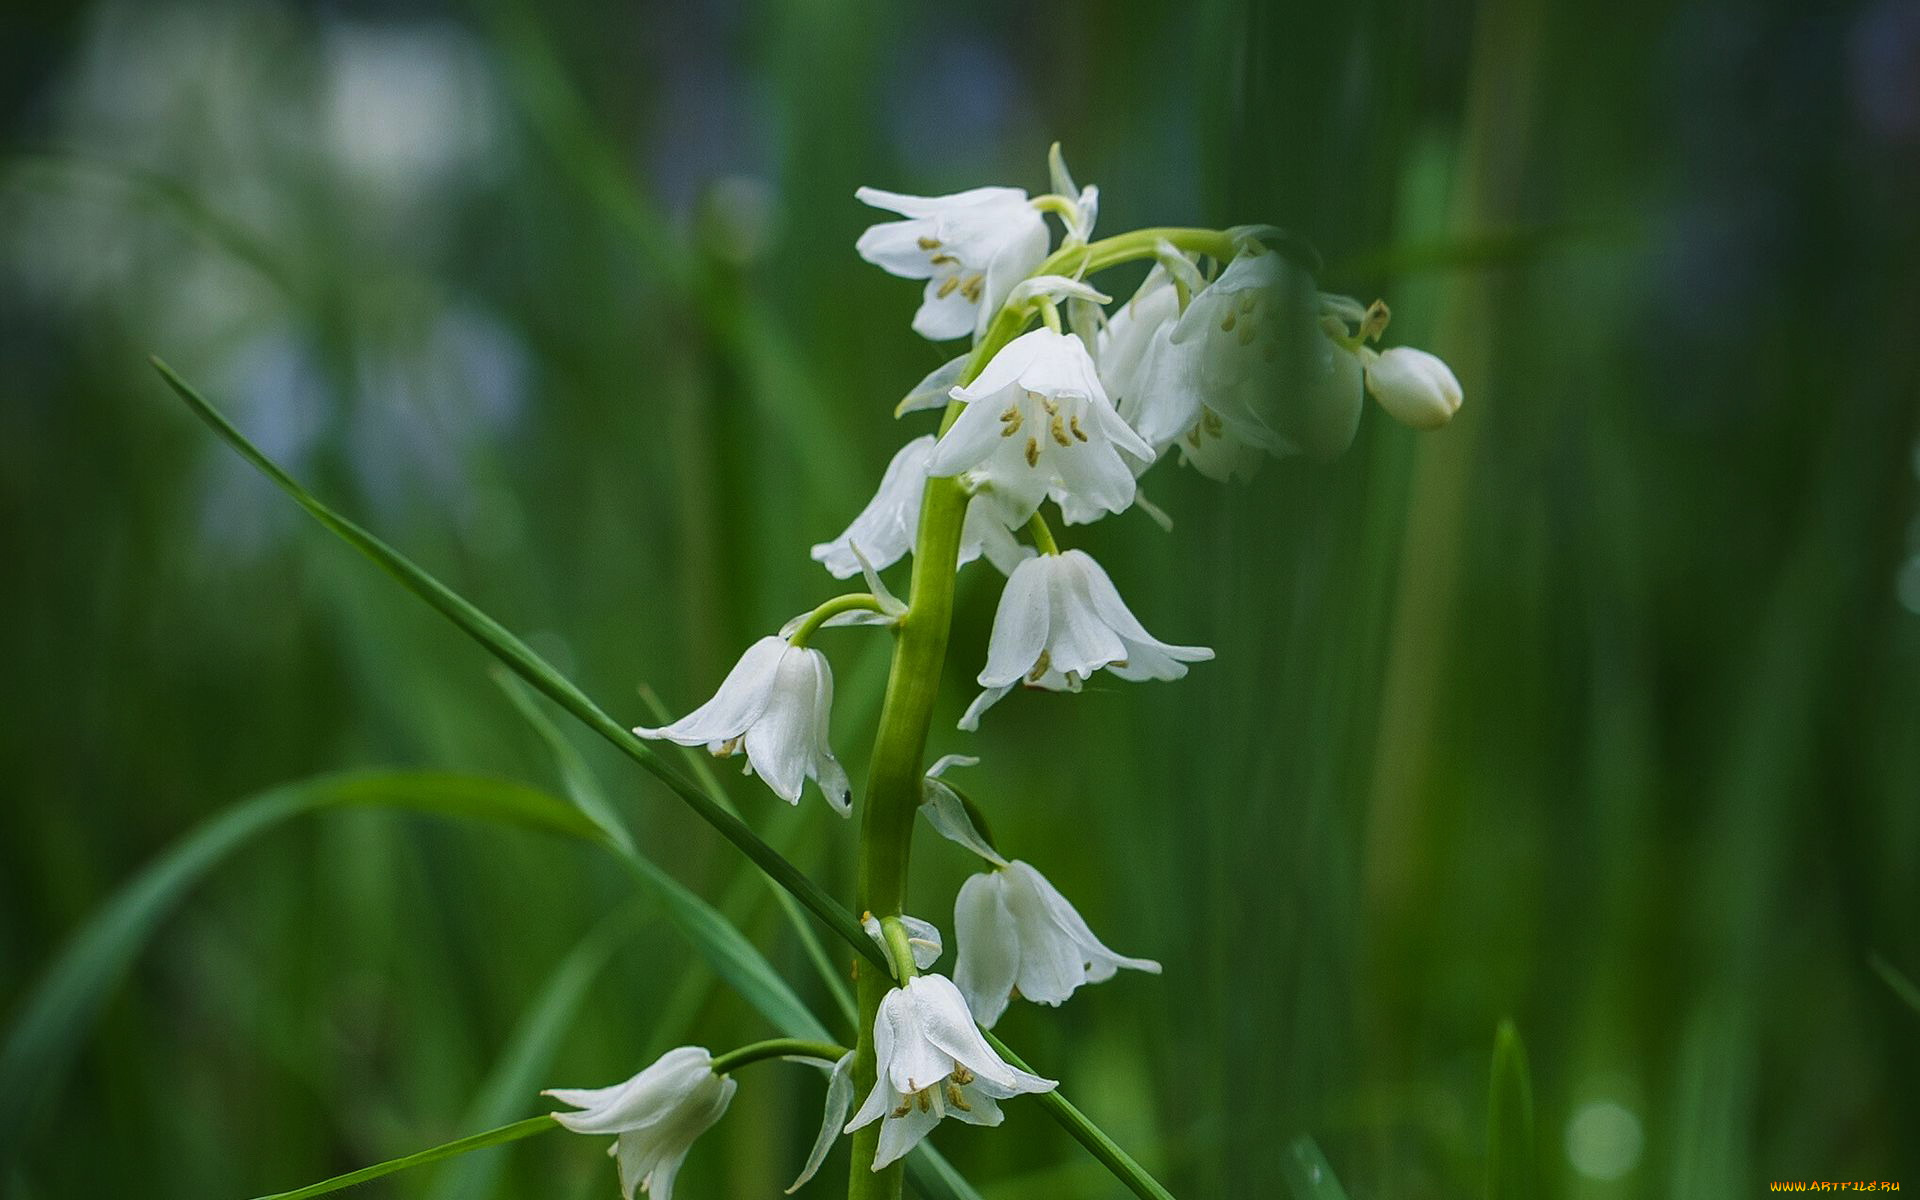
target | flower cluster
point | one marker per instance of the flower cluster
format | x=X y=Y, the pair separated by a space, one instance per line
x=1227 y=353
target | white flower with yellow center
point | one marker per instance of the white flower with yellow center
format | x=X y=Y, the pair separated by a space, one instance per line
x=1060 y=619
x=655 y=1117
x=970 y=247
x=932 y=1064
x=1037 y=420
x=773 y=707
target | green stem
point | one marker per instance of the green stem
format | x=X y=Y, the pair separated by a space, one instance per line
x=1042 y=534
x=851 y=602
x=899 y=948
x=893 y=782
x=755 y=1052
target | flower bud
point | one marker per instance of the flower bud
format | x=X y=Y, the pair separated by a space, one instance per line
x=1417 y=388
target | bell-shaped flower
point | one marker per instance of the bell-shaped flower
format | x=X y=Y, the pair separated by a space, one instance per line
x=773 y=707
x=970 y=247
x=883 y=533
x=1415 y=387
x=1019 y=936
x=655 y=1117
x=932 y=1064
x=1060 y=620
x=1037 y=420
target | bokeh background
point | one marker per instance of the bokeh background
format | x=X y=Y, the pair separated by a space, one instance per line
x=1596 y=711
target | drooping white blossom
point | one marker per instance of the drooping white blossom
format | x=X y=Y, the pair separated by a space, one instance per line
x=773 y=707
x=884 y=531
x=655 y=1117
x=970 y=247
x=1060 y=619
x=1018 y=933
x=933 y=1064
x=1038 y=420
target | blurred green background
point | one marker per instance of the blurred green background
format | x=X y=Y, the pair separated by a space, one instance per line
x=1596 y=711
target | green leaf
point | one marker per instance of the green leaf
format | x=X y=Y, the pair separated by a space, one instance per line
x=57 y=1014
x=479 y=1141
x=1902 y=986
x=1510 y=1145
x=1308 y=1175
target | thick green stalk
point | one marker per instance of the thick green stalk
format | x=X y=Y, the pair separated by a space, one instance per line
x=893 y=782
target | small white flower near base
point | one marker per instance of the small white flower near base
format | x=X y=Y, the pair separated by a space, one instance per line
x=655 y=1117
x=1060 y=619
x=1018 y=935
x=933 y=1064
x=773 y=707
x=970 y=247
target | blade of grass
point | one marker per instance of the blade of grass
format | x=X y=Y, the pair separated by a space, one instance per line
x=479 y=1141
x=809 y=942
x=529 y=1052
x=726 y=949
x=57 y=1014
x=1902 y=986
x=535 y=670
x=1308 y=1175
x=1510 y=1144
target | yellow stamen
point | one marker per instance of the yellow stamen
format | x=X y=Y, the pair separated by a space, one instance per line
x=1226 y=326
x=1012 y=420
x=925 y=1098
x=1059 y=430
x=1077 y=431
x=1033 y=452
x=927 y=243
x=947 y=285
x=961 y=1075
x=943 y=260
x=955 y=1098
x=972 y=286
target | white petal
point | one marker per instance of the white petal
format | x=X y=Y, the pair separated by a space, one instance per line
x=989 y=960
x=914 y=1062
x=970 y=720
x=942 y=318
x=839 y=1100
x=742 y=697
x=1068 y=921
x=973 y=436
x=901 y=1134
x=949 y=1026
x=936 y=389
x=947 y=813
x=885 y=528
x=1020 y=624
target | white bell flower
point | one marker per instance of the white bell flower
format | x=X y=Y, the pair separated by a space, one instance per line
x=1415 y=387
x=883 y=533
x=1060 y=619
x=970 y=247
x=1019 y=936
x=933 y=1064
x=656 y=1117
x=1037 y=420
x=773 y=707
